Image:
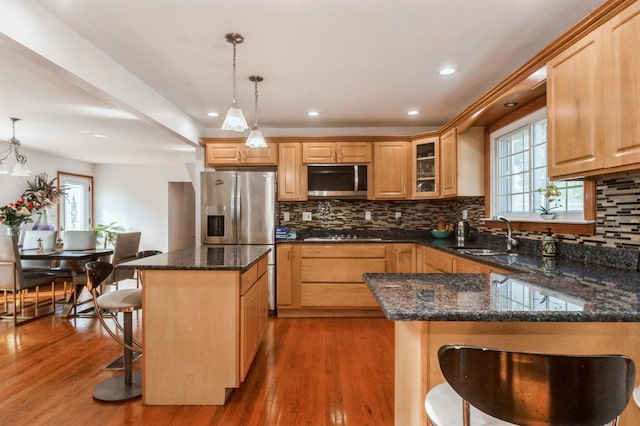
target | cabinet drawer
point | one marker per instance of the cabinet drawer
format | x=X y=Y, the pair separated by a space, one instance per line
x=344 y=250
x=248 y=278
x=338 y=270
x=337 y=295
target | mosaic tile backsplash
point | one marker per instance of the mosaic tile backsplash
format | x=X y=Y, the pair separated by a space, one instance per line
x=617 y=227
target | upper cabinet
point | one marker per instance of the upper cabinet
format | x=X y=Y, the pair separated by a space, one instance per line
x=336 y=152
x=449 y=163
x=292 y=174
x=593 y=92
x=425 y=167
x=234 y=154
x=390 y=170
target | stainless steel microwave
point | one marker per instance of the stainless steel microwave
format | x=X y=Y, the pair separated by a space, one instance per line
x=337 y=181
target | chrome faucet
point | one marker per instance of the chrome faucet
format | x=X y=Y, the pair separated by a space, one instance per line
x=511 y=242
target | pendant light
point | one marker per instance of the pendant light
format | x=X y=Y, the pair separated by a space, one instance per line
x=256 y=138
x=13 y=144
x=234 y=120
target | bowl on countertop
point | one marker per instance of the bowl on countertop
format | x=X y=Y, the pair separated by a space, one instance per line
x=441 y=234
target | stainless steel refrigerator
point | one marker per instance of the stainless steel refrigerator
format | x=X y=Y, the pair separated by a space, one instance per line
x=238 y=207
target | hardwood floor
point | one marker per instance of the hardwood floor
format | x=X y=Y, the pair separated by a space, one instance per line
x=333 y=371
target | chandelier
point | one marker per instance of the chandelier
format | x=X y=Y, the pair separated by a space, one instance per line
x=13 y=145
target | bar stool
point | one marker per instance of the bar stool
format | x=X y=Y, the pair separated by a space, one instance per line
x=523 y=388
x=129 y=384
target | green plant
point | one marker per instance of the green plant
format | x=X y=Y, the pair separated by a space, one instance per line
x=552 y=194
x=107 y=233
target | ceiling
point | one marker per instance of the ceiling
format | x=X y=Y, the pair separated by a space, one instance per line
x=143 y=74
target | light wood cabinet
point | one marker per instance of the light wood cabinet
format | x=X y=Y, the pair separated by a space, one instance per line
x=233 y=154
x=449 y=163
x=462 y=265
x=226 y=314
x=425 y=168
x=292 y=174
x=593 y=101
x=401 y=258
x=573 y=98
x=391 y=170
x=326 y=279
x=336 y=152
x=434 y=260
x=253 y=312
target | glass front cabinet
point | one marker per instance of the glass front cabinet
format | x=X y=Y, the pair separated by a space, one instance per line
x=425 y=167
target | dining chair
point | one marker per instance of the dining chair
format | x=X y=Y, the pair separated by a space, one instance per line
x=129 y=384
x=497 y=387
x=33 y=239
x=75 y=274
x=140 y=255
x=125 y=248
x=17 y=282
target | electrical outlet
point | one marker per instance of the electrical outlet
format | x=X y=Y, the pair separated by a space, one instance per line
x=286 y=217
x=306 y=216
x=398 y=215
x=464 y=214
x=367 y=215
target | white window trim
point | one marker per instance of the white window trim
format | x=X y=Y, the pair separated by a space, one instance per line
x=528 y=217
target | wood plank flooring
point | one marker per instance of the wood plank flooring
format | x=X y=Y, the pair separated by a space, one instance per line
x=333 y=371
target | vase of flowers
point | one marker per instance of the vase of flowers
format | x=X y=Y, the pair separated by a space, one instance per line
x=14 y=215
x=551 y=194
x=43 y=193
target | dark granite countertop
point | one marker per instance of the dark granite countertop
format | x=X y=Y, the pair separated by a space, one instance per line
x=228 y=257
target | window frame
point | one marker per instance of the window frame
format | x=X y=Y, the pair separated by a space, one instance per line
x=527 y=120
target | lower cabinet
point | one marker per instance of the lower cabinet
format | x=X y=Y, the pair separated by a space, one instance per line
x=326 y=279
x=254 y=309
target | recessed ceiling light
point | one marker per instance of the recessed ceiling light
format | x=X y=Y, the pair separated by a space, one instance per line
x=97 y=135
x=313 y=113
x=413 y=112
x=212 y=114
x=447 y=71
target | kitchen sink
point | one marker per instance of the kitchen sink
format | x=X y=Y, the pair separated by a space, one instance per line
x=480 y=252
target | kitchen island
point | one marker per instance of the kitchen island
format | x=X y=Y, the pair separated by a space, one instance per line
x=572 y=309
x=204 y=312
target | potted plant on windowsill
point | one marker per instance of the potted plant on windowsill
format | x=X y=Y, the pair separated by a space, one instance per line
x=551 y=195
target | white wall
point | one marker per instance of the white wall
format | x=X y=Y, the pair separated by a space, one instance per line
x=12 y=187
x=136 y=197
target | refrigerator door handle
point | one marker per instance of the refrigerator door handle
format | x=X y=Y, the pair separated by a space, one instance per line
x=237 y=204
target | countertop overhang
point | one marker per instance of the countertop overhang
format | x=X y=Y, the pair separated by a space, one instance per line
x=216 y=257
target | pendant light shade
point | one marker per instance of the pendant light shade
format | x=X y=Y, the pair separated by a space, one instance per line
x=13 y=145
x=256 y=138
x=234 y=120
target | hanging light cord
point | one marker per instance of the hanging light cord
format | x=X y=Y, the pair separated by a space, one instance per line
x=234 y=72
x=255 y=120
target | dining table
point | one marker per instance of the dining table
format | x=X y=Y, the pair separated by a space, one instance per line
x=74 y=257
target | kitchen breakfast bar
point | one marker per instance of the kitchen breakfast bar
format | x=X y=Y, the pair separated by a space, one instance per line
x=563 y=308
x=204 y=312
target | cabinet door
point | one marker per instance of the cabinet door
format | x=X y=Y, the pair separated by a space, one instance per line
x=391 y=170
x=283 y=276
x=318 y=152
x=622 y=87
x=448 y=164
x=292 y=175
x=261 y=156
x=402 y=259
x=437 y=261
x=574 y=103
x=223 y=153
x=353 y=152
x=249 y=333
x=425 y=168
